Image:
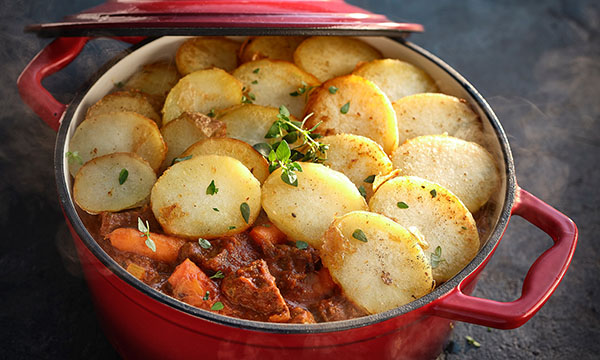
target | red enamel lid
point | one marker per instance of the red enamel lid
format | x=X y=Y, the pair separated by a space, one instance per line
x=224 y=17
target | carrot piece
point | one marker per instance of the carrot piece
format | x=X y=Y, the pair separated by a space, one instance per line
x=131 y=240
x=190 y=285
x=271 y=234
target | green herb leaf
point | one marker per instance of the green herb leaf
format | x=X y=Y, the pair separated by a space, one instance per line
x=362 y=191
x=205 y=244
x=333 y=89
x=433 y=193
x=284 y=111
x=344 y=109
x=254 y=82
x=402 y=205
x=301 y=244
x=217 y=306
x=74 y=156
x=245 y=100
x=212 y=189
x=218 y=275
x=211 y=113
x=472 y=341
x=263 y=148
x=216 y=209
x=436 y=257
x=231 y=227
x=283 y=151
x=463 y=227
x=274 y=131
x=289 y=177
x=358 y=234
x=145 y=230
x=119 y=84
x=206 y=295
x=256 y=70
x=176 y=160
x=141 y=227
x=123 y=176
x=245 y=210
x=369 y=179
x=150 y=243
x=251 y=96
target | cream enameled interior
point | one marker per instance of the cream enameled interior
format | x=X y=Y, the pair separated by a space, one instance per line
x=164 y=48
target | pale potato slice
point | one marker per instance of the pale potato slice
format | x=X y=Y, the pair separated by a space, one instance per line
x=202 y=91
x=357 y=157
x=250 y=123
x=329 y=56
x=305 y=211
x=156 y=80
x=465 y=168
x=186 y=130
x=356 y=107
x=396 y=78
x=125 y=101
x=270 y=47
x=437 y=214
x=275 y=83
x=201 y=53
x=117 y=132
x=377 y=262
x=113 y=182
x=436 y=114
x=237 y=149
x=186 y=203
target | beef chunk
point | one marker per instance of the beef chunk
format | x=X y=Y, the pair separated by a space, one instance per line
x=253 y=287
x=300 y=316
x=336 y=308
x=226 y=254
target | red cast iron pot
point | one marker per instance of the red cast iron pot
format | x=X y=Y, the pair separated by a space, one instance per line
x=143 y=323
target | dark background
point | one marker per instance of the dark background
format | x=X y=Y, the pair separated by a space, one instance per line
x=537 y=62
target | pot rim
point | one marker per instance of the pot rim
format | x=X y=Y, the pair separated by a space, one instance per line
x=479 y=260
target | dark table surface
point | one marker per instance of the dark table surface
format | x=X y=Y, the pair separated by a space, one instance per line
x=538 y=64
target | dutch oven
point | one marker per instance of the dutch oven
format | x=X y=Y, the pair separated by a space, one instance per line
x=143 y=323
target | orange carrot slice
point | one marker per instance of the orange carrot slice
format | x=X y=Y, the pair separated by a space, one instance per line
x=261 y=234
x=192 y=286
x=131 y=240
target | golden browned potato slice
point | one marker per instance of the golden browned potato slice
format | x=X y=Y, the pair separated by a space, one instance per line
x=156 y=80
x=186 y=130
x=465 y=168
x=202 y=91
x=237 y=149
x=436 y=114
x=357 y=157
x=206 y=196
x=207 y=52
x=396 y=78
x=125 y=101
x=250 y=123
x=327 y=57
x=270 y=47
x=305 y=211
x=117 y=132
x=275 y=83
x=113 y=182
x=353 y=105
x=436 y=214
x=377 y=262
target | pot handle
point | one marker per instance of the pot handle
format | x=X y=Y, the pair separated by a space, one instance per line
x=54 y=57
x=58 y=54
x=539 y=284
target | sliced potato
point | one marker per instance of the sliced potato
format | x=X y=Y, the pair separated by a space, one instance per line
x=270 y=47
x=204 y=197
x=250 y=123
x=357 y=157
x=117 y=132
x=125 y=101
x=305 y=211
x=156 y=80
x=186 y=130
x=272 y=83
x=202 y=91
x=436 y=114
x=327 y=57
x=237 y=149
x=356 y=107
x=437 y=214
x=102 y=185
x=396 y=78
x=465 y=168
x=377 y=262
x=206 y=52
